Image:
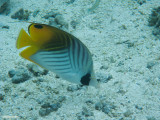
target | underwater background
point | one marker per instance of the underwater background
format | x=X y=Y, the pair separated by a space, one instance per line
x=124 y=39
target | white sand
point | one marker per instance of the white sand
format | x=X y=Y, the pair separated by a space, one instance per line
x=101 y=30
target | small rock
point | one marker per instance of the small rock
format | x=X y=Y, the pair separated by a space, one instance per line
x=11 y=73
x=1 y=97
x=107 y=108
x=127 y=113
x=51 y=14
x=35 y=13
x=44 y=112
x=80 y=116
x=7 y=89
x=104 y=66
x=5 y=27
x=61 y=99
x=156 y=32
x=108 y=77
x=71 y=1
x=57 y=76
x=120 y=63
x=39 y=101
x=38 y=81
x=138 y=107
x=19 y=79
x=53 y=23
x=55 y=91
x=154 y=19
x=55 y=106
x=123 y=27
x=141 y=1
x=20 y=76
x=86 y=112
x=98 y=106
x=150 y=64
x=73 y=24
x=0 y=110
x=46 y=105
x=130 y=44
x=27 y=94
x=104 y=106
x=121 y=91
x=21 y=14
x=89 y=102
x=74 y=88
x=48 y=108
x=60 y=20
x=4 y=6
x=104 y=78
x=36 y=70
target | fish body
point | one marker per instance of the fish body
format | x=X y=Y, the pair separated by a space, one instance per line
x=58 y=51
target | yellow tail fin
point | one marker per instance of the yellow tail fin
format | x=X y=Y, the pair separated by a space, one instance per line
x=23 y=39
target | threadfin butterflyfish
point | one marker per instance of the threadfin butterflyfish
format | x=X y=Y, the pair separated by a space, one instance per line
x=57 y=51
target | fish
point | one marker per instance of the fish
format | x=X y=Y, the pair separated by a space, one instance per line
x=57 y=51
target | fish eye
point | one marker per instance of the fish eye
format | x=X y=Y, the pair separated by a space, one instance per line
x=38 y=26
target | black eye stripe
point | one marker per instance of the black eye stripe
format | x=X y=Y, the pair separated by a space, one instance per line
x=38 y=26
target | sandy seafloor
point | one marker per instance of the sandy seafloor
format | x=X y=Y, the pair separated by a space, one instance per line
x=134 y=89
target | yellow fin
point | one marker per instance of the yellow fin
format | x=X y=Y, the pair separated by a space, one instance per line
x=29 y=52
x=23 y=39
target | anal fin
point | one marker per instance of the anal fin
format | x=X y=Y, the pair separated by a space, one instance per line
x=28 y=52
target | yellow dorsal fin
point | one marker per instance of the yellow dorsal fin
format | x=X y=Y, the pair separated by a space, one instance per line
x=23 y=39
